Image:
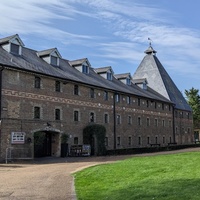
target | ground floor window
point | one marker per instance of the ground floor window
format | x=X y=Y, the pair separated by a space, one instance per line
x=148 y=140
x=129 y=141
x=139 y=140
x=118 y=141
x=76 y=140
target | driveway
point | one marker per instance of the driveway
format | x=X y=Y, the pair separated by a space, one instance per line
x=51 y=178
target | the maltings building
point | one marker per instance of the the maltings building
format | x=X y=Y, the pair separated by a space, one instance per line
x=44 y=94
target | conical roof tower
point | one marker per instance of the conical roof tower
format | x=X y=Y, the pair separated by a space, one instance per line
x=159 y=80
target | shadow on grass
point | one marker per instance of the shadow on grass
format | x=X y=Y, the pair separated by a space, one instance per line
x=180 y=189
x=11 y=166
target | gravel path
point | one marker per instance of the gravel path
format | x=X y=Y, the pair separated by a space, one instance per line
x=51 y=178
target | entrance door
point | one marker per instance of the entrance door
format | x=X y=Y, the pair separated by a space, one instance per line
x=42 y=144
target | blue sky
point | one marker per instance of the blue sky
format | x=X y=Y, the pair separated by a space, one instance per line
x=112 y=32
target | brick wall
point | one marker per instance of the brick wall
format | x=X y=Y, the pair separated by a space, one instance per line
x=19 y=97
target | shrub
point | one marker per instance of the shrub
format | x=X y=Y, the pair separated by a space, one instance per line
x=97 y=131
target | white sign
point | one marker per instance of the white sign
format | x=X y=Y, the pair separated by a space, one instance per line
x=17 y=138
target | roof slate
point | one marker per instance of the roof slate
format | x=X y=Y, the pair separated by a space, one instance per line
x=47 y=52
x=159 y=80
x=122 y=76
x=31 y=62
x=150 y=68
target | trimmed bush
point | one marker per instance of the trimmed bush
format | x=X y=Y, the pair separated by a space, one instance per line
x=98 y=131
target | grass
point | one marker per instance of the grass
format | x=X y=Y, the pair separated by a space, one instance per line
x=164 y=177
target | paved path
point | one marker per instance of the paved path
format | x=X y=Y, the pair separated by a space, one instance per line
x=51 y=178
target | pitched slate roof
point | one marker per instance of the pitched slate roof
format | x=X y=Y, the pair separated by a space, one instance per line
x=158 y=79
x=48 y=52
x=7 y=39
x=101 y=70
x=122 y=76
x=79 y=62
x=140 y=80
x=30 y=61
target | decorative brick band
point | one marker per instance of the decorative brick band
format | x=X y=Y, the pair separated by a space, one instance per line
x=41 y=97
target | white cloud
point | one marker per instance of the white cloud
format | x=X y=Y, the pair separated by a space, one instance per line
x=128 y=23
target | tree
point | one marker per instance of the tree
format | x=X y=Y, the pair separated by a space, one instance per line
x=193 y=100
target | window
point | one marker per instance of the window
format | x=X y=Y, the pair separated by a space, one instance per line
x=155 y=105
x=188 y=130
x=170 y=139
x=36 y=112
x=170 y=123
x=188 y=115
x=163 y=139
x=148 y=121
x=169 y=107
x=75 y=140
x=147 y=103
x=109 y=76
x=54 y=60
x=148 y=140
x=117 y=98
x=91 y=117
x=85 y=69
x=163 y=106
x=57 y=86
x=129 y=141
x=118 y=119
x=17 y=138
x=139 y=140
x=156 y=140
x=128 y=99
x=76 y=90
x=138 y=101
x=128 y=81
x=14 y=48
x=37 y=82
x=139 y=121
x=129 y=120
x=92 y=94
x=106 y=118
x=156 y=122
x=76 y=116
x=105 y=96
x=57 y=114
x=163 y=122
x=118 y=141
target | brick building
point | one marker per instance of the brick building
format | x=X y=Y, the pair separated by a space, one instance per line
x=43 y=94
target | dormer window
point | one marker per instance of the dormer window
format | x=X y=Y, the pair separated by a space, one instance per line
x=54 y=60
x=128 y=81
x=12 y=44
x=14 y=48
x=105 y=72
x=82 y=65
x=109 y=76
x=142 y=83
x=51 y=56
x=85 y=69
x=124 y=78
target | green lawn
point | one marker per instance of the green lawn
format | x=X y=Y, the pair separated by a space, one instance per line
x=164 y=177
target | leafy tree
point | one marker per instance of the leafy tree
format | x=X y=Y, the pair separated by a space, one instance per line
x=193 y=100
